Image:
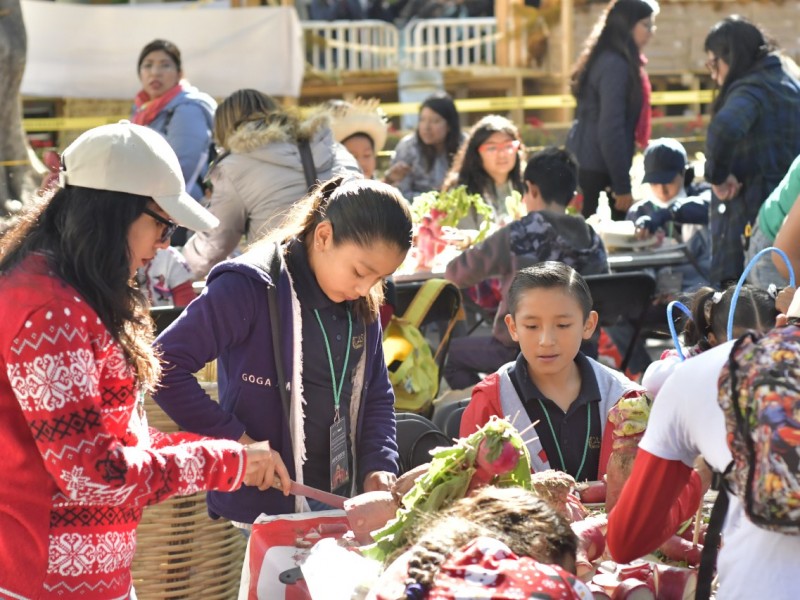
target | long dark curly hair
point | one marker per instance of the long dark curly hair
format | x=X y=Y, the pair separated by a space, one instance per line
x=83 y=233
x=614 y=31
x=468 y=166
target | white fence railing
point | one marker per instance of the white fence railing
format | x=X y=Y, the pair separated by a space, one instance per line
x=351 y=45
x=422 y=44
x=449 y=43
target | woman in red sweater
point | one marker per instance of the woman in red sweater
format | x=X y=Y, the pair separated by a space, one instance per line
x=79 y=462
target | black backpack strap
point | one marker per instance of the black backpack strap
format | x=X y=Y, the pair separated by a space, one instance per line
x=275 y=327
x=708 y=558
x=309 y=169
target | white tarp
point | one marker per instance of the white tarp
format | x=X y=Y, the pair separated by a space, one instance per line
x=85 y=51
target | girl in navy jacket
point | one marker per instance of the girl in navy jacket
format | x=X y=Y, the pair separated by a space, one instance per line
x=293 y=324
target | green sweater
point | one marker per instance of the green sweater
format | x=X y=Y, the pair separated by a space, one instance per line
x=777 y=205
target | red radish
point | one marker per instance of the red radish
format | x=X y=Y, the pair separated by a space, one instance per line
x=591 y=535
x=584 y=569
x=633 y=589
x=606 y=581
x=592 y=492
x=407 y=480
x=496 y=457
x=574 y=509
x=368 y=512
x=620 y=465
x=675 y=583
x=598 y=592
x=688 y=533
x=677 y=548
x=638 y=569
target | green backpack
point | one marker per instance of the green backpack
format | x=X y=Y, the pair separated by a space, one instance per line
x=413 y=368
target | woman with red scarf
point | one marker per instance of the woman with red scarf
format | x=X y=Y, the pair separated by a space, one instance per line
x=612 y=90
x=177 y=110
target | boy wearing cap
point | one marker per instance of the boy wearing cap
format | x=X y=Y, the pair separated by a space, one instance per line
x=360 y=126
x=79 y=462
x=677 y=207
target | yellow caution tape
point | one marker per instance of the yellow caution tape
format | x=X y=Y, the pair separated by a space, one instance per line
x=465 y=105
x=14 y=163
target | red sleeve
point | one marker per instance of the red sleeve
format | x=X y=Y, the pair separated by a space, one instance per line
x=183 y=294
x=659 y=496
x=485 y=402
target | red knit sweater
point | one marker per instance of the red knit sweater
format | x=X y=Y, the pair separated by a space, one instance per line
x=78 y=461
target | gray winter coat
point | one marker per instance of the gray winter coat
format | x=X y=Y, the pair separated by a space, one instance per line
x=258 y=181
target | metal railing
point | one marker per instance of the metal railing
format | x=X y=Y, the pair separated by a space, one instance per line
x=449 y=43
x=367 y=45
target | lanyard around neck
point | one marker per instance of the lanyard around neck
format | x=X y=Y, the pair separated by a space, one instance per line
x=337 y=389
x=558 y=446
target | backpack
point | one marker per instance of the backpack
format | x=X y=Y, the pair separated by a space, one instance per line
x=759 y=393
x=413 y=367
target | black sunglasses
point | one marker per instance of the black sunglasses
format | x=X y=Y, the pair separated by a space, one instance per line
x=168 y=230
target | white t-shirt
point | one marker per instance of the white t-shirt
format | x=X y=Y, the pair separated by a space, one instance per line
x=160 y=276
x=686 y=421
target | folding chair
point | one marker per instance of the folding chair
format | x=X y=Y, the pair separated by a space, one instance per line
x=416 y=437
x=625 y=296
x=442 y=412
x=452 y=428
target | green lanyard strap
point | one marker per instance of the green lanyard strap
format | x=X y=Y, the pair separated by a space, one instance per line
x=558 y=446
x=337 y=389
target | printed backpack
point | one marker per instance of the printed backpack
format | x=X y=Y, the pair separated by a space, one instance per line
x=759 y=392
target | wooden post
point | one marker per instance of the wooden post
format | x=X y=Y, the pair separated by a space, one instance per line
x=567 y=51
x=502 y=54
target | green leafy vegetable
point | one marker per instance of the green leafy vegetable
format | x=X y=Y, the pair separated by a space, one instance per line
x=450 y=207
x=447 y=480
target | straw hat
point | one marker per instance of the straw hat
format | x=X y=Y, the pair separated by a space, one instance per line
x=359 y=116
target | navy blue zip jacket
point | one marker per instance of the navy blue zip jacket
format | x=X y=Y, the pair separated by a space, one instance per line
x=231 y=321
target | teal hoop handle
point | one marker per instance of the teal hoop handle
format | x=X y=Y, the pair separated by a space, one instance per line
x=671 y=323
x=742 y=279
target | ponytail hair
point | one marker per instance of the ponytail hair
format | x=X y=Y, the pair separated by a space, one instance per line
x=755 y=310
x=361 y=211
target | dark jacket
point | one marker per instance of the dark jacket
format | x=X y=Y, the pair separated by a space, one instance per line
x=536 y=237
x=755 y=136
x=602 y=135
x=231 y=321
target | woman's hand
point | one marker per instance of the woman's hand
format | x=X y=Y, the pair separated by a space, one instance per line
x=728 y=189
x=623 y=201
x=263 y=465
x=784 y=299
x=397 y=172
x=379 y=481
x=246 y=440
x=704 y=471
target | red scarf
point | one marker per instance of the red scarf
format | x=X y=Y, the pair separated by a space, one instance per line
x=644 y=126
x=145 y=109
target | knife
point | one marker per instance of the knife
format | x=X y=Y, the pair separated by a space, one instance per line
x=298 y=489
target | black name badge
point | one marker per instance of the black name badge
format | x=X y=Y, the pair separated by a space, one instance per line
x=340 y=471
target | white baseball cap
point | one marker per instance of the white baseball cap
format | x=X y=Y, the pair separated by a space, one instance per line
x=134 y=159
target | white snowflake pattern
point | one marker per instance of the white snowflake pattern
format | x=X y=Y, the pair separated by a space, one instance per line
x=49 y=381
x=190 y=463
x=70 y=554
x=75 y=481
x=18 y=383
x=116 y=367
x=83 y=369
x=115 y=550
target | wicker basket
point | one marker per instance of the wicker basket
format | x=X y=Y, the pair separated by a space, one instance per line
x=182 y=552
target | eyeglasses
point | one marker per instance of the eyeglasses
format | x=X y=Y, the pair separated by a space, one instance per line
x=712 y=63
x=507 y=148
x=647 y=24
x=169 y=226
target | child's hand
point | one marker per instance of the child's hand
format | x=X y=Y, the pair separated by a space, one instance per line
x=784 y=299
x=263 y=465
x=379 y=481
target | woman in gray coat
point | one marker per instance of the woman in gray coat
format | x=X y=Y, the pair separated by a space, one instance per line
x=260 y=174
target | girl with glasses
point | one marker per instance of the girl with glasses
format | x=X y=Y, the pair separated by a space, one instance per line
x=612 y=91
x=753 y=138
x=79 y=462
x=490 y=164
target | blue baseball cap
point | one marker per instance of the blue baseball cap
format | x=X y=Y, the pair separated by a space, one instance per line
x=664 y=159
